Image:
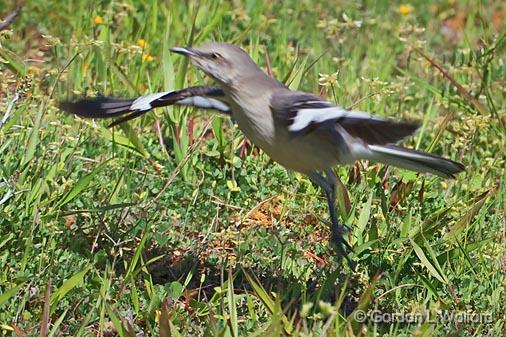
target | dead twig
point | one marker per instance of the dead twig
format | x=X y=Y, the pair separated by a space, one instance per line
x=9 y=19
x=22 y=91
x=9 y=192
x=461 y=90
x=44 y=324
x=9 y=110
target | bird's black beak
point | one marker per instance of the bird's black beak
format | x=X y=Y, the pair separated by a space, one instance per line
x=184 y=51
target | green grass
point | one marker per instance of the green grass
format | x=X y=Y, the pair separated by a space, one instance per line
x=186 y=230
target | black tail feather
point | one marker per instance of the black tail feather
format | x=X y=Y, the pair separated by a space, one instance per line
x=101 y=107
x=414 y=160
x=126 y=118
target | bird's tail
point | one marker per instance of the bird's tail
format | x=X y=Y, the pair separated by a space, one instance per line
x=415 y=160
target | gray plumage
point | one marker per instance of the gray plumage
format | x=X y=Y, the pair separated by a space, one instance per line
x=300 y=131
x=305 y=133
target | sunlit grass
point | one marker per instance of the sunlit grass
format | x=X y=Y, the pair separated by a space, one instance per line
x=173 y=224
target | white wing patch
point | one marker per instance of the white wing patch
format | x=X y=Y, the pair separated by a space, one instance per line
x=143 y=103
x=205 y=103
x=305 y=117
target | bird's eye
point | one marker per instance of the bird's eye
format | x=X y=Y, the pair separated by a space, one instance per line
x=215 y=56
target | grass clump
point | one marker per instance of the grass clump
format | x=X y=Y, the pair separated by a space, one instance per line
x=173 y=224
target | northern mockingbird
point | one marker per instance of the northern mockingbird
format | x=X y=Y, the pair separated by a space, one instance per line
x=300 y=131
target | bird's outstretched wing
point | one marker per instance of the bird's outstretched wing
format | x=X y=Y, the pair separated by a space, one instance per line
x=303 y=113
x=202 y=97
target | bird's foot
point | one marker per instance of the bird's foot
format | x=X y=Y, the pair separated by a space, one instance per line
x=342 y=246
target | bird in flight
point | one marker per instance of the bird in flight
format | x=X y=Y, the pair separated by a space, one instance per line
x=301 y=131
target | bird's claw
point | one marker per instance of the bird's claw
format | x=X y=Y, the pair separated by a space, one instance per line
x=342 y=246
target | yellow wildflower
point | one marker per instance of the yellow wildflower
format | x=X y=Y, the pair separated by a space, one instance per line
x=142 y=43
x=98 y=20
x=405 y=9
x=146 y=57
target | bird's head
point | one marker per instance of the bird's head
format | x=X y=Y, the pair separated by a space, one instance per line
x=224 y=62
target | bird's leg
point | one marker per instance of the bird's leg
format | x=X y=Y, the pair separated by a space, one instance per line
x=328 y=185
x=338 y=228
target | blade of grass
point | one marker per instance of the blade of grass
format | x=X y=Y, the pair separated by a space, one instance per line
x=232 y=310
x=33 y=139
x=80 y=185
x=137 y=255
x=74 y=281
x=13 y=62
x=294 y=83
x=134 y=139
x=120 y=140
x=56 y=325
x=363 y=220
x=425 y=262
x=116 y=321
x=94 y=210
x=363 y=303
x=268 y=302
x=468 y=216
x=7 y=294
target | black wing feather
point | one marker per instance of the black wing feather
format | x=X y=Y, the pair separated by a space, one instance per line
x=106 y=107
x=285 y=105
